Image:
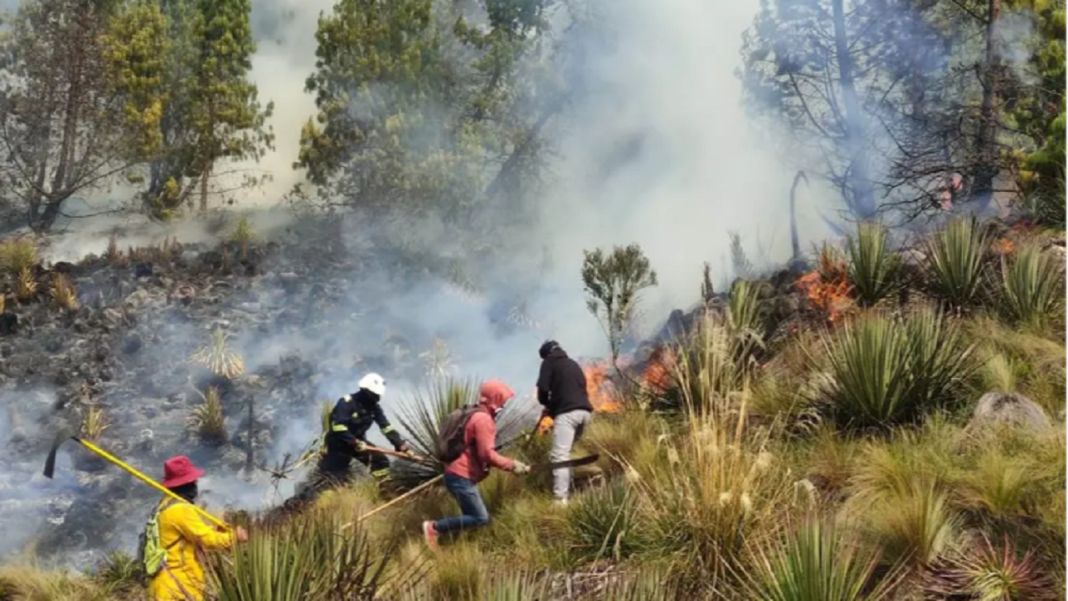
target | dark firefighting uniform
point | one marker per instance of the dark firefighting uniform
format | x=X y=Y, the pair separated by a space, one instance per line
x=349 y=422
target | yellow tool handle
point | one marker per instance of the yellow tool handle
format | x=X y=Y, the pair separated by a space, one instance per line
x=149 y=481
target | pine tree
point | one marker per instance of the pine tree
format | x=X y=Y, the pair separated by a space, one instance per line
x=212 y=112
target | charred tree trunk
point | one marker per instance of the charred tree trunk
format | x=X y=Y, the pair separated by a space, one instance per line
x=986 y=150
x=862 y=202
x=795 y=240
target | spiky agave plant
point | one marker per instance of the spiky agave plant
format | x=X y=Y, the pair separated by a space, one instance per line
x=208 y=418
x=308 y=556
x=955 y=261
x=421 y=416
x=873 y=265
x=217 y=357
x=815 y=562
x=990 y=574
x=1032 y=287
x=885 y=370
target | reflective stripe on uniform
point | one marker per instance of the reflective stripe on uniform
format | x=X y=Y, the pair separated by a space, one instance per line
x=388 y=429
x=339 y=428
x=379 y=474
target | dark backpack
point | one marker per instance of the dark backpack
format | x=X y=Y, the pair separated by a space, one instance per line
x=451 y=434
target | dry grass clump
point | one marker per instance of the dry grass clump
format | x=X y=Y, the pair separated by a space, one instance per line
x=25 y=285
x=217 y=357
x=94 y=423
x=63 y=292
x=17 y=254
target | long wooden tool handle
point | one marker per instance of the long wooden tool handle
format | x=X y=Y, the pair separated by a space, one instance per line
x=406 y=495
x=149 y=481
x=411 y=457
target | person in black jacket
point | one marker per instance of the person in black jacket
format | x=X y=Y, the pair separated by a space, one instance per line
x=347 y=438
x=562 y=392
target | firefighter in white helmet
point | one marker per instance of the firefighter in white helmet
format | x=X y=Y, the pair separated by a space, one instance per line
x=346 y=438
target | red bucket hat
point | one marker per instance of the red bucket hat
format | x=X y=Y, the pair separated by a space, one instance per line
x=178 y=471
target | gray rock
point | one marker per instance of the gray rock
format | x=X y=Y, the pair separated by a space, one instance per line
x=1008 y=408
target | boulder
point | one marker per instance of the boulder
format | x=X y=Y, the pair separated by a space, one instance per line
x=1009 y=408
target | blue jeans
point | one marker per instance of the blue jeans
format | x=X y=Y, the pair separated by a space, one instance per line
x=471 y=506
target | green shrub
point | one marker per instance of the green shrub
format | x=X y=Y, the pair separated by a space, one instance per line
x=815 y=563
x=307 y=556
x=955 y=262
x=873 y=266
x=119 y=573
x=1032 y=287
x=885 y=370
x=603 y=522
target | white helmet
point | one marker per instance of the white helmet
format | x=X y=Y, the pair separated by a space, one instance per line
x=374 y=382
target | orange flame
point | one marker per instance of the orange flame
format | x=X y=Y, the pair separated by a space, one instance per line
x=1003 y=246
x=600 y=388
x=657 y=376
x=828 y=287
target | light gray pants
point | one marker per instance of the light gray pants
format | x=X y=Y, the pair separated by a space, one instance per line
x=567 y=429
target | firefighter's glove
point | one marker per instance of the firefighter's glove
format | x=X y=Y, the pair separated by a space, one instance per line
x=405 y=449
x=520 y=468
x=360 y=446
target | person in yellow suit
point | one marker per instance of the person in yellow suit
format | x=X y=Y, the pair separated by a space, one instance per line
x=184 y=533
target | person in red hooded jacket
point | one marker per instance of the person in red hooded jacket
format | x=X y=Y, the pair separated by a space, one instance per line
x=463 y=475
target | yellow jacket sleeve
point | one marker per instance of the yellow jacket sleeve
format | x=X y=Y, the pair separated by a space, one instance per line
x=195 y=528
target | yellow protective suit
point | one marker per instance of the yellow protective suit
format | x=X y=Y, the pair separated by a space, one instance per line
x=182 y=531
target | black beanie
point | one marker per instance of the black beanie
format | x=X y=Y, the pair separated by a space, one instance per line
x=547 y=347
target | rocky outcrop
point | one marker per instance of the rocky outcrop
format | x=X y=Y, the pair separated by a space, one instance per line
x=1008 y=408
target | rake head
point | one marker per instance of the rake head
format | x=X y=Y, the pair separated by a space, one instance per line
x=50 y=463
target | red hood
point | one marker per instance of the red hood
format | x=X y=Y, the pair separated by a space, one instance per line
x=493 y=394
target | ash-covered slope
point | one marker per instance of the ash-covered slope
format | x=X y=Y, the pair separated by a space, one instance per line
x=308 y=311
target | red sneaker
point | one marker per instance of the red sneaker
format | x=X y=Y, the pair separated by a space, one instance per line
x=430 y=534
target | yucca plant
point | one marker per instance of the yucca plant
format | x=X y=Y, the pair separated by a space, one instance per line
x=63 y=292
x=991 y=574
x=885 y=370
x=1032 y=287
x=94 y=423
x=217 y=357
x=208 y=418
x=873 y=265
x=421 y=416
x=816 y=562
x=955 y=262
x=17 y=254
x=307 y=556
x=438 y=359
